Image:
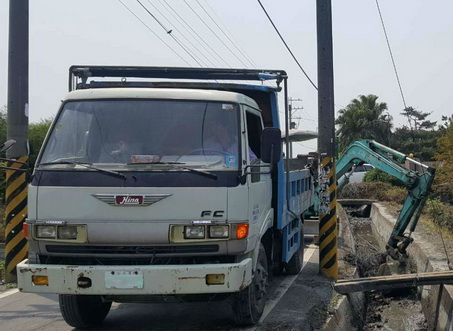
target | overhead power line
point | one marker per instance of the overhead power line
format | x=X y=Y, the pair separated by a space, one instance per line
x=169 y=32
x=181 y=34
x=150 y=30
x=232 y=36
x=391 y=54
x=224 y=33
x=199 y=37
x=215 y=34
x=287 y=47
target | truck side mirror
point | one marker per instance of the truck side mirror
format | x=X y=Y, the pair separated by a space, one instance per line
x=271 y=145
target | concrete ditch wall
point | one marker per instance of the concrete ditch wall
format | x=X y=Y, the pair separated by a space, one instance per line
x=436 y=300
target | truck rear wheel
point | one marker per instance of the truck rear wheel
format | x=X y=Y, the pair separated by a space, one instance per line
x=248 y=305
x=82 y=311
x=295 y=264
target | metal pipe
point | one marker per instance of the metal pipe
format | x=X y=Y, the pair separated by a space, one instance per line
x=417 y=163
x=401 y=157
x=288 y=188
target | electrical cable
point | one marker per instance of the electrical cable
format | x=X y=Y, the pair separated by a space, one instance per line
x=169 y=32
x=188 y=25
x=138 y=18
x=287 y=47
x=221 y=30
x=187 y=39
x=215 y=34
x=391 y=54
x=232 y=36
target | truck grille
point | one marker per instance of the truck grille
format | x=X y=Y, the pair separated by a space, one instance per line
x=132 y=250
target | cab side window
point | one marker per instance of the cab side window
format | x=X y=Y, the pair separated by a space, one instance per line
x=254 y=129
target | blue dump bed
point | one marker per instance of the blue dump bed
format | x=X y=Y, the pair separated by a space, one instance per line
x=299 y=197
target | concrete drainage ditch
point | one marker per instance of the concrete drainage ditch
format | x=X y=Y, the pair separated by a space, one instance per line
x=420 y=308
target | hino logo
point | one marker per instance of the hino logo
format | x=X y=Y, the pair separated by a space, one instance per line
x=129 y=199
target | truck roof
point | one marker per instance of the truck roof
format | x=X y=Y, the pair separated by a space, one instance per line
x=161 y=93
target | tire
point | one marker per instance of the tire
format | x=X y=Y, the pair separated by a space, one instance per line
x=83 y=311
x=295 y=264
x=248 y=305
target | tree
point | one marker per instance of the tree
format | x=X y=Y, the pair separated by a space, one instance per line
x=36 y=134
x=419 y=138
x=3 y=124
x=417 y=120
x=443 y=184
x=364 y=118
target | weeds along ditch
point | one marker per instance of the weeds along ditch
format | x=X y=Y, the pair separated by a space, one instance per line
x=393 y=310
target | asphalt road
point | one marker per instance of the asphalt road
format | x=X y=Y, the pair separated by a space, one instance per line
x=290 y=306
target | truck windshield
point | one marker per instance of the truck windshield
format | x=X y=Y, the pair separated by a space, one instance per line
x=146 y=134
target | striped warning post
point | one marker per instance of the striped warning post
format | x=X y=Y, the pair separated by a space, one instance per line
x=16 y=248
x=328 y=258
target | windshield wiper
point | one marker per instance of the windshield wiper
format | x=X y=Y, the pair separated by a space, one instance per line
x=89 y=166
x=177 y=165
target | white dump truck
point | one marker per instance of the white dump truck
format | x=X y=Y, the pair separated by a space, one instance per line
x=157 y=183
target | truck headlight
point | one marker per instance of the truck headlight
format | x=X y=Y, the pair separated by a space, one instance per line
x=46 y=231
x=67 y=232
x=218 y=231
x=194 y=232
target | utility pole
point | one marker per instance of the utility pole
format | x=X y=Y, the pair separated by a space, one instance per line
x=291 y=124
x=328 y=257
x=17 y=127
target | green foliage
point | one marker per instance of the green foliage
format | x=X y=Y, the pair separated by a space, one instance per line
x=422 y=143
x=445 y=144
x=418 y=119
x=373 y=190
x=363 y=118
x=443 y=185
x=2 y=270
x=420 y=138
x=377 y=175
x=440 y=213
x=36 y=134
x=3 y=124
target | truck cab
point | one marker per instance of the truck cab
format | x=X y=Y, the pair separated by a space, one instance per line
x=162 y=190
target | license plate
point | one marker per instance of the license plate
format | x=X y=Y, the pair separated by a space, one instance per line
x=124 y=279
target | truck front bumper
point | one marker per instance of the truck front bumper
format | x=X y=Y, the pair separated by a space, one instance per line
x=134 y=280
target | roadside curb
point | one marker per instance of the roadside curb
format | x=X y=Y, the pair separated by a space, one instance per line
x=4 y=294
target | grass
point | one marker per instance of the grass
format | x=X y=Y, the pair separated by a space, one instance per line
x=334 y=301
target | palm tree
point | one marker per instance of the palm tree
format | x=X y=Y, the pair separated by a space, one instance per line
x=364 y=118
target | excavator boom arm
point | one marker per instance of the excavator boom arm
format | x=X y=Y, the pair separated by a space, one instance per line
x=418 y=184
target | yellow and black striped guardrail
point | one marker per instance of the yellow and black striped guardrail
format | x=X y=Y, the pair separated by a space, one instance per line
x=328 y=257
x=16 y=248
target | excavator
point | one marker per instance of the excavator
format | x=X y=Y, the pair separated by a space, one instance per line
x=417 y=178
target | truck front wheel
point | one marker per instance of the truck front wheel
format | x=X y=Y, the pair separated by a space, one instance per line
x=83 y=311
x=248 y=305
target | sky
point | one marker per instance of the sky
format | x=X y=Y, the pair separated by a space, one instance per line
x=420 y=32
